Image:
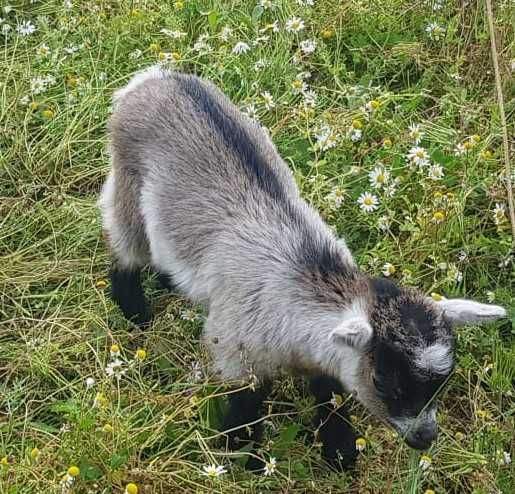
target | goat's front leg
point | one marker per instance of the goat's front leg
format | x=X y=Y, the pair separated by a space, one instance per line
x=334 y=428
x=241 y=422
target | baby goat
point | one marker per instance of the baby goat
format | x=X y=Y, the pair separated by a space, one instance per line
x=199 y=191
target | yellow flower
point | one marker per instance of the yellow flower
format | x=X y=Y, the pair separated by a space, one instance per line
x=486 y=154
x=327 y=33
x=34 y=453
x=4 y=461
x=161 y=56
x=179 y=5
x=101 y=284
x=73 y=471
x=296 y=84
x=108 y=428
x=34 y=105
x=436 y=297
x=141 y=354
x=438 y=216
x=483 y=414
x=387 y=143
x=136 y=13
x=48 y=113
x=131 y=489
x=468 y=145
x=425 y=462
x=176 y=56
x=357 y=124
x=154 y=47
x=437 y=194
x=476 y=138
x=100 y=401
x=361 y=443
x=429 y=491
x=115 y=348
x=459 y=436
x=375 y=104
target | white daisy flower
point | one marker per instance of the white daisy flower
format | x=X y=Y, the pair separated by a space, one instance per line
x=26 y=28
x=435 y=172
x=503 y=458
x=435 y=31
x=225 y=33
x=336 y=197
x=378 y=177
x=173 y=34
x=425 y=462
x=24 y=100
x=308 y=46
x=213 y=471
x=418 y=156
x=368 y=202
x=201 y=46
x=309 y=97
x=116 y=369
x=383 y=223
x=266 y=4
x=251 y=111
x=43 y=50
x=240 y=47
x=189 y=315
x=5 y=29
x=460 y=150
x=90 y=382
x=38 y=85
x=260 y=65
x=354 y=134
x=415 y=134
x=490 y=297
x=326 y=138
x=268 y=100
x=270 y=467
x=273 y=26
x=499 y=213
x=388 y=269
x=295 y=24
x=454 y=274
x=135 y=54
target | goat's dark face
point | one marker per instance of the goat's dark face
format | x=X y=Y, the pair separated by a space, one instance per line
x=409 y=359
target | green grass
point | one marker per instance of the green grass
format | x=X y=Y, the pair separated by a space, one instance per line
x=157 y=426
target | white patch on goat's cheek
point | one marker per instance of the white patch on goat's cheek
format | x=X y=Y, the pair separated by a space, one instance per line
x=436 y=358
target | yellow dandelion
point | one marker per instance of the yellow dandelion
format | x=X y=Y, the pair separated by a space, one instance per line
x=4 y=461
x=108 y=428
x=161 y=56
x=131 y=489
x=486 y=154
x=73 y=471
x=176 y=56
x=34 y=105
x=357 y=124
x=374 y=104
x=327 y=33
x=387 y=143
x=141 y=354
x=48 y=113
x=34 y=453
x=179 y=5
x=115 y=348
x=438 y=216
x=101 y=284
x=467 y=145
x=154 y=47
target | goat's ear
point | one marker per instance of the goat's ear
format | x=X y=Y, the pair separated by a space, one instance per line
x=354 y=331
x=462 y=311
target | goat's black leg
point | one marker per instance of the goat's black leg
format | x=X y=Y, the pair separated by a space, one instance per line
x=240 y=422
x=127 y=292
x=334 y=428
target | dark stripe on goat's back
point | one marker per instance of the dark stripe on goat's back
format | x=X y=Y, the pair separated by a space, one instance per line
x=234 y=135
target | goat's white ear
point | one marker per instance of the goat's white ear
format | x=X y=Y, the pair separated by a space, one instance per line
x=355 y=332
x=462 y=311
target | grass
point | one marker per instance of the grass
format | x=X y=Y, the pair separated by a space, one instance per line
x=157 y=425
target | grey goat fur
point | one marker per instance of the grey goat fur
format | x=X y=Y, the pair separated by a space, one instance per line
x=198 y=191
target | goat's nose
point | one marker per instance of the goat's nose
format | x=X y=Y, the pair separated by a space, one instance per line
x=423 y=436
